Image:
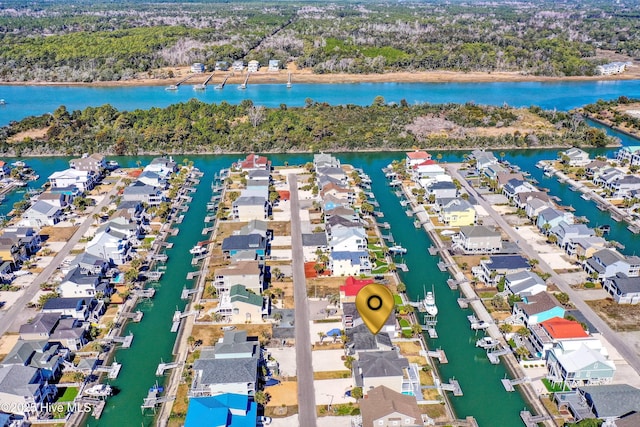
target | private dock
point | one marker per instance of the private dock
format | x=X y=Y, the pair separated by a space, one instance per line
x=112 y=370
x=532 y=420
x=289 y=81
x=203 y=86
x=464 y=302
x=196 y=259
x=224 y=82
x=452 y=386
x=186 y=293
x=193 y=274
x=125 y=341
x=153 y=400
x=442 y=266
x=438 y=354
x=402 y=267
x=477 y=324
x=384 y=225
x=97 y=405
x=494 y=355
x=508 y=384
x=433 y=251
x=175 y=86
x=135 y=316
x=162 y=367
x=246 y=82
x=144 y=293
x=453 y=284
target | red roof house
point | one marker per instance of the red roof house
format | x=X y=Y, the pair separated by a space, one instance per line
x=351 y=287
x=255 y=161
x=416 y=157
x=559 y=328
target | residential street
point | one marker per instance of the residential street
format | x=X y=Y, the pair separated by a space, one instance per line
x=306 y=393
x=627 y=352
x=8 y=317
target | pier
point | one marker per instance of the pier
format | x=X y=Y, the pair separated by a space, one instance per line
x=438 y=354
x=442 y=266
x=464 y=302
x=224 y=82
x=162 y=367
x=494 y=355
x=186 y=293
x=508 y=384
x=477 y=324
x=135 y=316
x=175 y=86
x=203 y=86
x=153 y=400
x=289 y=84
x=144 y=293
x=97 y=405
x=112 y=370
x=125 y=341
x=245 y=83
x=532 y=420
x=452 y=386
x=193 y=274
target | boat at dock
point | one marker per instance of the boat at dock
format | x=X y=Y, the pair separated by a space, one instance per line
x=487 y=342
x=605 y=229
x=99 y=390
x=397 y=250
x=585 y=196
x=171 y=87
x=198 y=250
x=430 y=304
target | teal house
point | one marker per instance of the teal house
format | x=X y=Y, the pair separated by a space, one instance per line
x=222 y=410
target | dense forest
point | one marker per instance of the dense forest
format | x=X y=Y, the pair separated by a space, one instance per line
x=119 y=40
x=197 y=127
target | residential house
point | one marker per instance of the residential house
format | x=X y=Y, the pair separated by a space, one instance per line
x=244 y=306
x=81 y=179
x=607 y=177
x=90 y=264
x=584 y=366
x=550 y=217
x=351 y=319
x=26 y=237
x=630 y=154
x=113 y=242
x=81 y=308
x=330 y=202
x=238 y=65
x=380 y=368
x=50 y=326
x=142 y=193
x=608 y=262
x=575 y=157
x=483 y=159
x=23 y=388
x=322 y=160
x=253 y=66
x=585 y=247
x=623 y=289
x=384 y=407
x=537 y=308
x=493 y=171
x=360 y=339
x=521 y=199
x=441 y=189
x=427 y=172
x=91 y=163
x=413 y=158
x=163 y=166
x=350 y=289
x=503 y=178
x=274 y=65
x=256 y=226
x=250 y=242
x=458 y=213
x=478 y=239
x=515 y=186
x=256 y=189
x=492 y=270
x=339 y=192
x=346 y=213
x=254 y=161
x=154 y=179
x=60 y=200
x=5 y=169
x=231 y=367
x=46 y=356
x=222 y=410
x=564 y=232
x=625 y=185
x=41 y=214
x=197 y=67
x=348 y=240
x=11 y=251
x=594 y=167
x=246 y=208
x=336 y=174
x=615 y=404
x=339 y=222
x=75 y=284
x=610 y=68
x=262 y=175
x=250 y=274
x=349 y=263
x=534 y=206
x=556 y=332
x=524 y=284
x=223 y=66
x=311 y=244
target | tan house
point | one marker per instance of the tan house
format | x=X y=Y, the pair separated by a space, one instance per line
x=90 y=163
x=250 y=207
x=384 y=407
x=246 y=273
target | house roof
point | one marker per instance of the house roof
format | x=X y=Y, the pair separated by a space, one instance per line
x=442 y=185
x=352 y=286
x=16 y=380
x=235 y=342
x=314 y=239
x=538 y=303
x=42 y=323
x=250 y=201
x=457 y=205
x=612 y=400
x=478 y=231
x=608 y=256
x=417 y=155
x=508 y=262
x=44 y=208
x=381 y=364
x=259 y=173
x=225 y=371
x=228 y=410
x=338 y=220
x=249 y=241
x=360 y=338
x=626 y=285
x=582 y=358
x=382 y=401
x=353 y=256
x=559 y=328
x=239 y=293
x=66 y=303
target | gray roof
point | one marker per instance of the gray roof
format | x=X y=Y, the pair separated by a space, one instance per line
x=75 y=276
x=66 y=303
x=225 y=371
x=360 y=338
x=259 y=173
x=38 y=354
x=551 y=213
x=239 y=242
x=42 y=323
x=608 y=256
x=381 y=364
x=250 y=201
x=442 y=185
x=314 y=239
x=140 y=188
x=457 y=205
x=538 y=303
x=612 y=400
x=17 y=380
x=626 y=285
x=236 y=342
x=509 y=262
x=479 y=231
x=44 y=208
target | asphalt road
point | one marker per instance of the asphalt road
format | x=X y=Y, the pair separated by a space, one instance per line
x=627 y=352
x=8 y=317
x=306 y=392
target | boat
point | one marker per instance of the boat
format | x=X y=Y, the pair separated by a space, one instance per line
x=112 y=164
x=430 y=304
x=605 y=229
x=157 y=389
x=3 y=102
x=585 y=196
x=199 y=87
x=547 y=174
x=19 y=164
x=99 y=390
x=289 y=81
x=171 y=87
x=198 y=250
x=487 y=342
x=397 y=249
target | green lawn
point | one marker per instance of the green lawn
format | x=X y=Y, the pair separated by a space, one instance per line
x=69 y=394
x=397 y=299
x=554 y=388
x=404 y=324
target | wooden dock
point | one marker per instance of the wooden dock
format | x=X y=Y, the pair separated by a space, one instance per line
x=162 y=367
x=224 y=82
x=438 y=354
x=112 y=370
x=508 y=384
x=532 y=420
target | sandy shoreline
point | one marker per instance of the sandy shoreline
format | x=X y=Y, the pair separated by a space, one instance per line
x=306 y=76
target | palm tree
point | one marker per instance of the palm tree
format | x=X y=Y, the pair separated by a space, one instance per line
x=261 y=397
x=334 y=299
x=321 y=335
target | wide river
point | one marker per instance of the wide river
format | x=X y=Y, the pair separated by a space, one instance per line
x=484 y=397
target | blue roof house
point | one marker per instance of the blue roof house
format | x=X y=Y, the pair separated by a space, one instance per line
x=222 y=410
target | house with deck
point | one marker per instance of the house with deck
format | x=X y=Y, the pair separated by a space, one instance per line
x=23 y=388
x=458 y=213
x=491 y=270
x=477 y=239
x=609 y=262
x=386 y=407
x=537 y=308
x=89 y=162
x=623 y=289
x=41 y=214
x=575 y=157
x=250 y=274
x=559 y=332
x=250 y=242
x=524 y=284
x=580 y=367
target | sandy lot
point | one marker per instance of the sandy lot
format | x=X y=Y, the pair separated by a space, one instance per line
x=328 y=360
x=552 y=255
x=332 y=391
x=285 y=393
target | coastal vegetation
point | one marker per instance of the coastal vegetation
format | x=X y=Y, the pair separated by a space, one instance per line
x=622 y=113
x=88 y=41
x=197 y=127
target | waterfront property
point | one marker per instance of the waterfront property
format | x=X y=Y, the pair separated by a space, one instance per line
x=228 y=409
x=492 y=270
x=383 y=407
x=612 y=403
x=537 y=308
x=623 y=289
x=478 y=239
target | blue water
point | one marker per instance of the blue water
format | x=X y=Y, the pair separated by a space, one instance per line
x=23 y=101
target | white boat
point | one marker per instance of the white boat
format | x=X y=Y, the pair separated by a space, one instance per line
x=112 y=164
x=99 y=390
x=18 y=164
x=171 y=87
x=430 y=304
x=198 y=250
x=3 y=102
x=487 y=342
x=397 y=249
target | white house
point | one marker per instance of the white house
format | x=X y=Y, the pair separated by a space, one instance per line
x=81 y=179
x=524 y=283
x=274 y=65
x=413 y=158
x=253 y=66
x=576 y=156
x=623 y=289
x=41 y=214
x=348 y=239
x=349 y=263
x=246 y=273
x=246 y=208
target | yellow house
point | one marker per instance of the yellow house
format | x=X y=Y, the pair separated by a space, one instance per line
x=458 y=213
